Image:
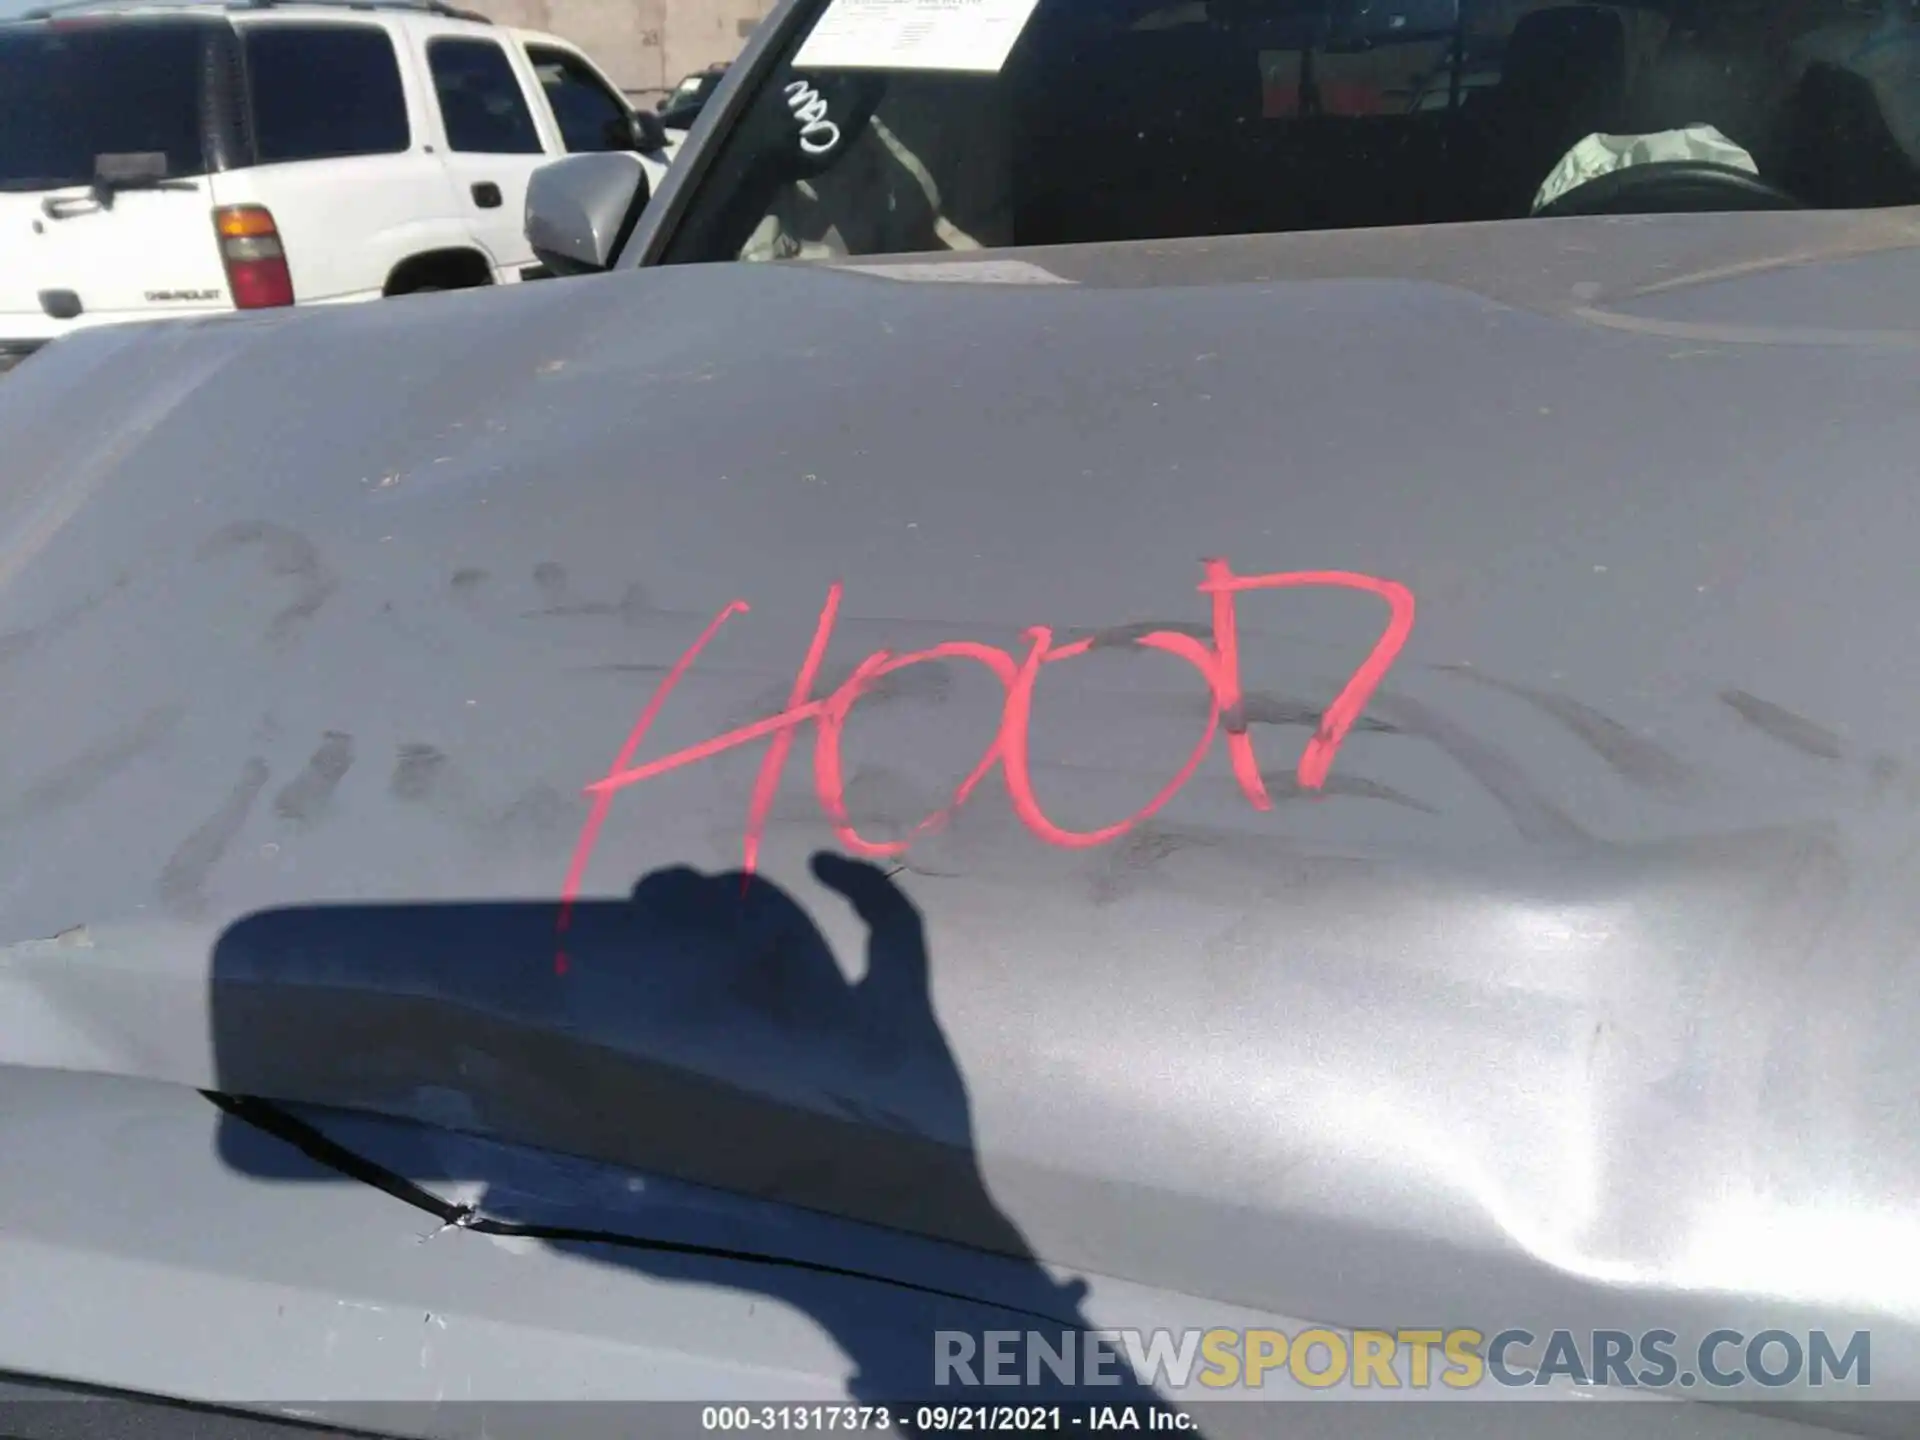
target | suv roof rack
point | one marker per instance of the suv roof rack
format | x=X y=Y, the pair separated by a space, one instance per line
x=108 y=7
x=429 y=7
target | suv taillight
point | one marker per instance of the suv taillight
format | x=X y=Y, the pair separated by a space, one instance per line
x=257 y=273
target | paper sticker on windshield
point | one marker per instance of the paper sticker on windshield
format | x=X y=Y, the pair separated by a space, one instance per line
x=967 y=35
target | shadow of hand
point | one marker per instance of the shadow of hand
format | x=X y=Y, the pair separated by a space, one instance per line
x=877 y=1047
x=707 y=1032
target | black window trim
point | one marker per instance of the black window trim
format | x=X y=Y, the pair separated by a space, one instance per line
x=226 y=111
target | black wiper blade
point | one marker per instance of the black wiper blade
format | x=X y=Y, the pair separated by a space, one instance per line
x=117 y=187
x=276 y=1120
x=114 y=174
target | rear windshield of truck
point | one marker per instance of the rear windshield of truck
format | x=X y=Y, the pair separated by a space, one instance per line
x=73 y=91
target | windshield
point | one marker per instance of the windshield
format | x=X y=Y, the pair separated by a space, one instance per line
x=682 y=107
x=694 y=87
x=884 y=129
x=74 y=91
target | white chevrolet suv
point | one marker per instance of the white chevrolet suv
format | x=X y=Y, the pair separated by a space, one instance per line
x=178 y=159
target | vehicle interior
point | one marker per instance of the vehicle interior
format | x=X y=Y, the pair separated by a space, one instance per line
x=1146 y=119
x=1262 y=117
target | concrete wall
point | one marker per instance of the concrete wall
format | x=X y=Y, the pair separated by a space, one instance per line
x=643 y=45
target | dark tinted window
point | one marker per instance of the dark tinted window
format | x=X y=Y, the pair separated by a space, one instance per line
x=480 y=98
x=73 y=92
x=325 y=90
x=591 y=116
x=1119 y=120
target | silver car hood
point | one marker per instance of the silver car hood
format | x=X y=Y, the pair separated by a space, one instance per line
x=1581 y=984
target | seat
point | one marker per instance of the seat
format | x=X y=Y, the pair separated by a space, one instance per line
x=1840 y=151
x=1564 y=78
x=1694 y=84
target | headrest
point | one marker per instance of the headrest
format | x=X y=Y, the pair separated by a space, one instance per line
x=1570 y=47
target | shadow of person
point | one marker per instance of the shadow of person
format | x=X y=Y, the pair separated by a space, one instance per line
x=702 y=1030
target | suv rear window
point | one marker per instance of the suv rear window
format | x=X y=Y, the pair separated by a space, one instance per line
x=73 y=91
x=324 y=91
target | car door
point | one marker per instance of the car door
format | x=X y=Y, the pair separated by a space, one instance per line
x=345 y=156
x=493 y=144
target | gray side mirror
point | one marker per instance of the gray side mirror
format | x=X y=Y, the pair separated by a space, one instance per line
x=580 y=209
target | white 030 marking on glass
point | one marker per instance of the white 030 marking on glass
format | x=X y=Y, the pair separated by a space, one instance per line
x=818 y=134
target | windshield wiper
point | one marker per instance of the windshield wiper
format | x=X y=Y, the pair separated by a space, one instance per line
x=318 y=1146
x=113 y=173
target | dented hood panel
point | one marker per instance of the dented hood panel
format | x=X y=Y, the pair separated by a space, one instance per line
x=1577 y=981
